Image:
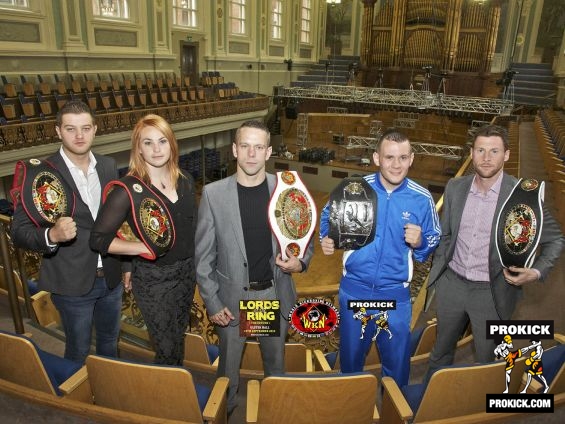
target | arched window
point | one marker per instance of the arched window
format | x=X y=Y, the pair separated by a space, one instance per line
x=19 y=4
x=305 y=21
x=185 y=13
x=237 y=17
x=111 y=9
x=276 y=19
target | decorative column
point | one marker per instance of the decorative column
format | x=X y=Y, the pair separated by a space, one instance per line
x=161 y=37
x=71 y=25
x=367 y=31
x=218 y=30
x=519 y=39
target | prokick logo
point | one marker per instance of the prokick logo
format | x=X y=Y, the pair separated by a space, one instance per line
x=528 y=361
x=520 y=329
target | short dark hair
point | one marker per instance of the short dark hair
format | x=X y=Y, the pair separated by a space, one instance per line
x=393 y=134
x=252 y=124
x=74 y=106
x=492 y=131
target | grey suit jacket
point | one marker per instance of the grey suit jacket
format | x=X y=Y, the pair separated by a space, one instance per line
x=505 y=295
x=221 y=260
x=71 y=268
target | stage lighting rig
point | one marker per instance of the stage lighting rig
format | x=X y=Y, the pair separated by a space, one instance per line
x=428 y=70
x=507 y=77
x=508 y=82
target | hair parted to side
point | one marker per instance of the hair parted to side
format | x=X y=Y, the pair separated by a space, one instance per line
x=492 y=131
x=76 y=107
x=252 y=124
x=392 y=134
x=137 y=166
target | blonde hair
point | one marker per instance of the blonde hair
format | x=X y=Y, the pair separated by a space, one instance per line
x=137 y=165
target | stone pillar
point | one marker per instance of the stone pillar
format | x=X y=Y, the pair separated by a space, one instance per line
x=161 y=37
x=71 y=26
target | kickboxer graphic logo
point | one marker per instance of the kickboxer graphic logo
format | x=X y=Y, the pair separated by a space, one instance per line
x=380 y=318
x=503 y=351
x=532 y=330
x=379 y=315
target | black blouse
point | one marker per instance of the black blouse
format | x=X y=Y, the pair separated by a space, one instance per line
x=117 y=209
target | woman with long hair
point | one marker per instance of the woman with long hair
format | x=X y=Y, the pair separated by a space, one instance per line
x=157 y=200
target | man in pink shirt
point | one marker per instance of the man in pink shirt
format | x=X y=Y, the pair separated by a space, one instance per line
x=469 y=279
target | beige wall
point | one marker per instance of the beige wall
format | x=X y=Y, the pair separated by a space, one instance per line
x=63 y=37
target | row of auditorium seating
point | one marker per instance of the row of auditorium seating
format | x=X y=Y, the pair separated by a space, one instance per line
x=210 y=78
x=28 y=132
x=28 y=102
x=47 y=84
x=549 y=129
x=460 y=391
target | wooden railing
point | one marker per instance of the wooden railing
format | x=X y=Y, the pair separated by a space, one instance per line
x=29 y=134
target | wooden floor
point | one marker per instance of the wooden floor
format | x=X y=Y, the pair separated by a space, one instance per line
x=324 y=270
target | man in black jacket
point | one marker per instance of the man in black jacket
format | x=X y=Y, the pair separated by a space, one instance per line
x=85 y=288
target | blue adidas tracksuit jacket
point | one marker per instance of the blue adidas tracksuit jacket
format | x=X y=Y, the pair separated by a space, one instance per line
x=382 y=270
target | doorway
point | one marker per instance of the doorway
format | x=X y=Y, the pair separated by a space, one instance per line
x=189 y=61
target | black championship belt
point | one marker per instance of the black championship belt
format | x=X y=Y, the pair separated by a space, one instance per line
x=152 y=223
x=353 y=214
x=292 y=214
x=43 y=193
x=519 y=224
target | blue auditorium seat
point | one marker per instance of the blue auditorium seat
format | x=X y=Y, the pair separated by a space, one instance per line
x=26 y=364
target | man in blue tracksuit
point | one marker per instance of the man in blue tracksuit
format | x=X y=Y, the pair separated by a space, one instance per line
x=407 y=227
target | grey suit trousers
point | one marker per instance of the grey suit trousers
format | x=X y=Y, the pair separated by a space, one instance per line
x=231 y=349
x=458 y=301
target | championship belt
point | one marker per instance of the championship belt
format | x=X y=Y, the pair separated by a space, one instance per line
x=519 y=224
x=292 y=214
x=44 y=195
x=152 y=223
x=353 y=214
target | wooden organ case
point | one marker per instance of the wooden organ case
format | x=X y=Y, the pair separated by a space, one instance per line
x=456 y=38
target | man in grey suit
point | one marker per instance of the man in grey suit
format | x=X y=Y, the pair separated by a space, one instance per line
x=237 y=258
x=470 y=281
x=85 y=288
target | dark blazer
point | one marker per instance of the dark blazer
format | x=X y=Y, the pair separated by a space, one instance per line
x=221 y=260
x=505 y=295
x=69 y=269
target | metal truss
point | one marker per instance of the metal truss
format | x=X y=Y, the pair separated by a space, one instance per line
x=428 y=149
x=405 y=123
x=333 y=109
x=417 y=100
x=355 y=141
x=442 y=150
